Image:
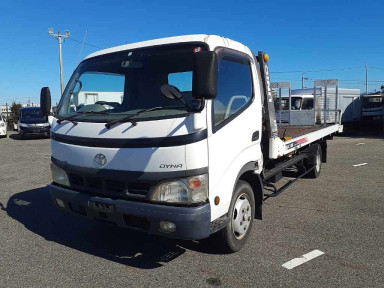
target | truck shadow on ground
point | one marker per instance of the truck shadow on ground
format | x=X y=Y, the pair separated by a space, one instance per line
x=35 y=210
x=363 y=131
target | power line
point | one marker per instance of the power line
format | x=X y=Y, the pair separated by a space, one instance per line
x=322 y=70
x=381 y=68
x=84 y=43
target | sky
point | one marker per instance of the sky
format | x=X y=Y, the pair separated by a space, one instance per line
x=298 y=35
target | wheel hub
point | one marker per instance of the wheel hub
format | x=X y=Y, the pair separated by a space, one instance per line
x=318 y=162
x=241 y=217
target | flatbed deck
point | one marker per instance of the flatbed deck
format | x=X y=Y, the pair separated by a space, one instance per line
x=297 y=131
x=291 y=138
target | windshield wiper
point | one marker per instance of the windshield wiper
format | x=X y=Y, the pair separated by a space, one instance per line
x=134 y=123
x=68 y=118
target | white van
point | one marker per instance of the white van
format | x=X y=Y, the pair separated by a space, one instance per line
x=3 y=126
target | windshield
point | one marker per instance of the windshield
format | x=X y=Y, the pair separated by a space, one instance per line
x=32 y=116
x=123 y=83
x=372 y=102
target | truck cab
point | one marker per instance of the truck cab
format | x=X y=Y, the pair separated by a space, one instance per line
x=169 y=137
x=372 y=108
x=32 y=122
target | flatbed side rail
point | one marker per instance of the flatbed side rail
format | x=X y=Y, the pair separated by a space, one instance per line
x=280 y=148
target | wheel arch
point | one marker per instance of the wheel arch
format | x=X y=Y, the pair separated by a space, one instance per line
x=247 y=173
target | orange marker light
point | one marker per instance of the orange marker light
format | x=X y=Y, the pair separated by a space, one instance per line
x=194 y=183
x=217 y=200
x=266 y=57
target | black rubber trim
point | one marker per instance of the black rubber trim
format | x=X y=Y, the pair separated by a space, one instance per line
x=133 y=176
x=131 y=143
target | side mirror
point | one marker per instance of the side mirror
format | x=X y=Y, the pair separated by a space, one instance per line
x=45 y=101
x=205 y=73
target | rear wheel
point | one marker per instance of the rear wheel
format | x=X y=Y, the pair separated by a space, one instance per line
x=241 y=213
x=315 y=162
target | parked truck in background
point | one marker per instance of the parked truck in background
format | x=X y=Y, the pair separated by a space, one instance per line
x=373 y=107
x=191 y=149
x=348 y=101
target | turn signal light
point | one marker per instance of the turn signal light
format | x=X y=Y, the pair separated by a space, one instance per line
x=266 y=57
x=194 y=183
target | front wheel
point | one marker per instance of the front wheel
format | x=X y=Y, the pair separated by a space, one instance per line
x=241 y=213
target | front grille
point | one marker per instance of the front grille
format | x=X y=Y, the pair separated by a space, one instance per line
x=108 y=187
x=76 y=180
x=116 y=186
x=95 y=183
x=138 y=188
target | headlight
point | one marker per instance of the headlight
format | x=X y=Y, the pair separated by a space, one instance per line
x=45 y=125
x=185 y=190
x=24 y=125
x=2 y=124
x=59 y=176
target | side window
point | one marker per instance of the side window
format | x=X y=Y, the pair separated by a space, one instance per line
x=307 y=104
x=234 y=90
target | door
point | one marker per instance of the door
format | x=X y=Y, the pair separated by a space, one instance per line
x=236 y=127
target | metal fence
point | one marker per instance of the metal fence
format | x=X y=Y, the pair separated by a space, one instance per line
x=312 y=106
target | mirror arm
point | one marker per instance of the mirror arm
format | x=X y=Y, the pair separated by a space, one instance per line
x=185 y=103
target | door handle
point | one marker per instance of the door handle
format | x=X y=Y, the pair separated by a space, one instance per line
x=255 y=136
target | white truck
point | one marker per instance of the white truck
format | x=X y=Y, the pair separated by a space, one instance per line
x=191 y=151
x=303 y=109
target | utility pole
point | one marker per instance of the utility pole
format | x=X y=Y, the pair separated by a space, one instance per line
x=366 y=79
x=60 y=37
x=302 y=80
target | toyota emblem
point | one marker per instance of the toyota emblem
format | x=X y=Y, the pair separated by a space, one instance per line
x=101 y=159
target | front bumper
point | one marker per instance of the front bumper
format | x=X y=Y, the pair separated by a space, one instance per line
x=34 y=130
x=192 y=223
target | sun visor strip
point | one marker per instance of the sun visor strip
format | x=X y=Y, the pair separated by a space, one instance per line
x=131 y=143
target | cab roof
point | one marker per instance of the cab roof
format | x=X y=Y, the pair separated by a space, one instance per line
x=213 y=41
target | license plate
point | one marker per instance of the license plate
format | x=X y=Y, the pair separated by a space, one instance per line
x=102 y=207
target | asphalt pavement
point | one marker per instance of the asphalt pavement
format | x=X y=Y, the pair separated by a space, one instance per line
x=340 y=214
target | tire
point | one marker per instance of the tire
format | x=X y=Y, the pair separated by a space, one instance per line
x=316 y=161
x=229 y=239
